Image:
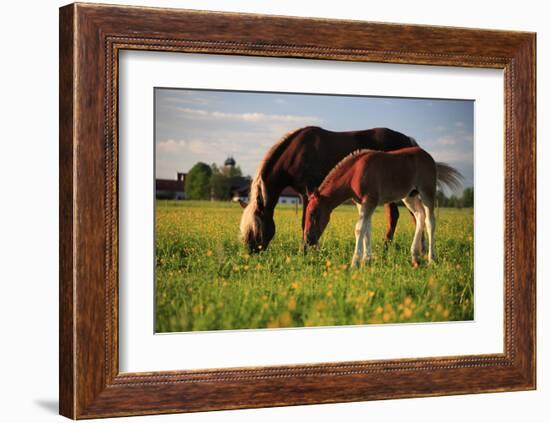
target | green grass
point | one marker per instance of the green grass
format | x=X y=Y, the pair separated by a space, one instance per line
x=205 y=280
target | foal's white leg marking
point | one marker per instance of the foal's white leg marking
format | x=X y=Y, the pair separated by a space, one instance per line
x=415 y=206
x=368 y=211
x=430 y=227
x=363 y=250
x=367 y=250
x=359 y=234
x=420 y=220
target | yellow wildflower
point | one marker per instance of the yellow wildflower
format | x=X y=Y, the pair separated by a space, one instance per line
x=285 y=319
x=291 y=304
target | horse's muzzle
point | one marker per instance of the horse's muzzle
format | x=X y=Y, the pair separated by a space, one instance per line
x=310 y=242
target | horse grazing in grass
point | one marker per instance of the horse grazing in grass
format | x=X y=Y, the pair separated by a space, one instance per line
x=371 y=178
x=301 y=160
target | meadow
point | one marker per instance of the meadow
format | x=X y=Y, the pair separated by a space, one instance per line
x=205 y=280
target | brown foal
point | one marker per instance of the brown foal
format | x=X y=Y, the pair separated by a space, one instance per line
x=371 y=178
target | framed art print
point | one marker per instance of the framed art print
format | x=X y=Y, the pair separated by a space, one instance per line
x=261 y=211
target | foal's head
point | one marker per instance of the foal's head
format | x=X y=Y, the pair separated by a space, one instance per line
x=317 y=217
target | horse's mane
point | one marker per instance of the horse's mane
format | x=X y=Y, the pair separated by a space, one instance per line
x=354 y=154
x=257 y=187
x=250 y=222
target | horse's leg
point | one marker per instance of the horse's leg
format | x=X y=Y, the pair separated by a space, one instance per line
x=423 y=244
x=392 y=216
x=428 y=205
x=414 y=205
x=359 y=234
x=304 y=208
x=304 y=197
x=367 y=237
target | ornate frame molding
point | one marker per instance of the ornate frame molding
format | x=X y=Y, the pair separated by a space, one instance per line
x=91 y=37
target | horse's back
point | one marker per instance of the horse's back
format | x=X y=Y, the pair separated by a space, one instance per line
x=384 y=139
x=309 y=155
x=391 y=176
x=409 y=160
x=316 y=143
x=415 y=151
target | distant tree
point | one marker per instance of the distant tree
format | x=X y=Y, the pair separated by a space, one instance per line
x=231 y=171
x=465 y=200
x=219 y=184
x=468 y=197
x=440 y=199
x=197 y=182
x=454 y=201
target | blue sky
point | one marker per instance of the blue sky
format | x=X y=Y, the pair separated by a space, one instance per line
x=209 y=126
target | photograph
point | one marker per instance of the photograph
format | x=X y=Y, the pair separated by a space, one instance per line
x=288 y=210
x=297 y=211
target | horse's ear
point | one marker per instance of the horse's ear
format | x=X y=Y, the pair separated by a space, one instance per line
x=242 y=203
x=312 y=194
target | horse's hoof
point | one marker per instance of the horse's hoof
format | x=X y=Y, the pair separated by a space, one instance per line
x=415 y=264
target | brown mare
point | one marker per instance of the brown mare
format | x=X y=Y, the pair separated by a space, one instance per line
x=302 y=159
x=371 y=178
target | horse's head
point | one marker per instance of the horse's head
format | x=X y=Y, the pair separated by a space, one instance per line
x=257 y=226
x=317 y=218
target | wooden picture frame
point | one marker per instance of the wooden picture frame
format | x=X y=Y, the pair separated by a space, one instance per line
x=91 y=36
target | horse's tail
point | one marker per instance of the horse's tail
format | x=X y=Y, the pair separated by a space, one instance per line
x=448 y=176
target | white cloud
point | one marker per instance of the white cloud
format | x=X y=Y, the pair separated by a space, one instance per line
x=452 y=156
x=172 y=146
x=247 y=117
x=187 y=99
x=446 y=140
